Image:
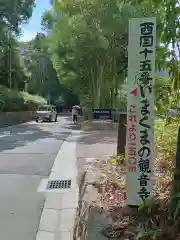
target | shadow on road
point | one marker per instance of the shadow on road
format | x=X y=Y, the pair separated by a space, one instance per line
x=93 y=136
x=101 y=136
x=21 y=135
x=71 y=125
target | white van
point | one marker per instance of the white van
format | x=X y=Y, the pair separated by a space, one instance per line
x=46 y=112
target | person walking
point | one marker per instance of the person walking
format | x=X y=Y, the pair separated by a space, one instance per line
x=74 y=114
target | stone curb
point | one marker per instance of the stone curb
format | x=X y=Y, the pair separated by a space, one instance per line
x=58 y=215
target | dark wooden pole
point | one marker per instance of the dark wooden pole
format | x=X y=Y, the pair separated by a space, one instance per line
x=121 y=142
x=176 y=184
x=176 y=181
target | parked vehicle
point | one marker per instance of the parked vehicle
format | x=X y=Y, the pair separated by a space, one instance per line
x=46 y=112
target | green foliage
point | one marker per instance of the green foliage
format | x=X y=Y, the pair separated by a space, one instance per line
x=168 y=13
x=175 y=210
x=149 y=235
x=148 y=207
x=116 y=160
x=159 y=126
x=89 y=47
x=42 y=75
x=166 y=141
x=13 y=100
x=40 y=43
x=47 y=20
x=12 y=62
x=13 y=13
x=162 y=95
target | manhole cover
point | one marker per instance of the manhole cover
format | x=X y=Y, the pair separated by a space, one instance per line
x=54 y=184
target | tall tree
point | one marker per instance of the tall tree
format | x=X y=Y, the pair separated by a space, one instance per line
x=12 y=15
x=43 y=78
x=90 y=46
x=15 y=12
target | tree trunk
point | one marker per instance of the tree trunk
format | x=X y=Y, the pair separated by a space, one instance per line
x=113 y=96
x=176 y=182
x=176 y=185
x=97 y=97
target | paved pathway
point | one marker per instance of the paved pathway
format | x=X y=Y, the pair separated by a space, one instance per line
x=27 y=153
x=95 y=145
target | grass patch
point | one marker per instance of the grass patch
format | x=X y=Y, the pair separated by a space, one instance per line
x=165 y=142
x=159 y=125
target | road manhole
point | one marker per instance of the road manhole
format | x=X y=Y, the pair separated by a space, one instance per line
x=58 y=184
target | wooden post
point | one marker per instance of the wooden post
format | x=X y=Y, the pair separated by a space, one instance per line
x=176 y=181
x=121 y=142
x=176 y=185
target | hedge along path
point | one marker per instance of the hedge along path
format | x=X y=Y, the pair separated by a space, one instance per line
x=13 y=100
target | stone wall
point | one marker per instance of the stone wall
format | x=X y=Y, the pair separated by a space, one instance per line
x=11 y=118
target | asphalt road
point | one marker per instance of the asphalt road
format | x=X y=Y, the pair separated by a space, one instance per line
x=27 y=153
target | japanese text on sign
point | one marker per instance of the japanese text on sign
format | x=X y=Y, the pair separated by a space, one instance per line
x=140 y=109
x=131 y=154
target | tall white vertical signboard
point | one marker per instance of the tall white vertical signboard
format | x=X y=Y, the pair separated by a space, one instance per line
x=140 y=109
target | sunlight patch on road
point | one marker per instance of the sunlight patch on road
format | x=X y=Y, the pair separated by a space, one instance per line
x=5 y=134
x=9 y=133
x=25 y=133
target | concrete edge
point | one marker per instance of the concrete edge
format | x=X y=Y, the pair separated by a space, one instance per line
x=59 y=211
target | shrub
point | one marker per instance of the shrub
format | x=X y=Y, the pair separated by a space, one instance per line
x=12 y=100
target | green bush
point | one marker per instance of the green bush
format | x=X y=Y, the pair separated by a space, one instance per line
x=12 y=100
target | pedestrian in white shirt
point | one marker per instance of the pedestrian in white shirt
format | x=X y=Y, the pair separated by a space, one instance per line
x=74 y=114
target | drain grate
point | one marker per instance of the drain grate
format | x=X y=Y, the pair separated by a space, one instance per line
x=56 y=184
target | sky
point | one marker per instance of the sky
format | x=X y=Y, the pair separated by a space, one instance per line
x=29 y=30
